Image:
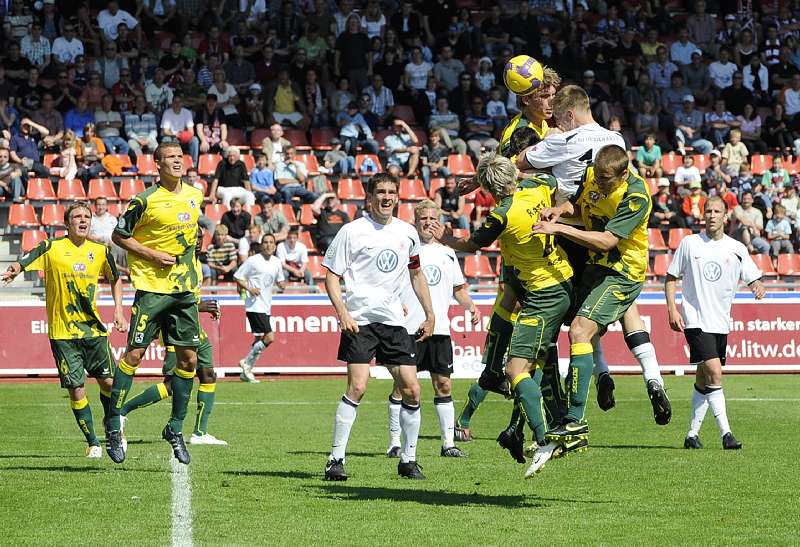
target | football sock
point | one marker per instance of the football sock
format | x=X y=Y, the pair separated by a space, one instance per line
x=579 y=379
x=644 y=351
x=342 y=424
x=206 y=393
x=410 y=419
x=394 y=421
x=105 y=400
x=699 y=408
x=600 y=364
x=475 y=397
x=83 y=415
x=716 y=400
x=552 y=390
x=530 y=398
x=446 y=413
x=182 y=384
x=254 y=353
x=149 y=396
x=497 y=341
x=123 y=380
x=516 y=416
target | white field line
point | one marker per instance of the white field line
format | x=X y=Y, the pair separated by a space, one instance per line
x=181 y=505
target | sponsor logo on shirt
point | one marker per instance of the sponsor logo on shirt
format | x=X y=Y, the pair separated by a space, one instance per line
x=387 y=260
x=79 y=267
x=433 y=274
x=712 y=271
x=184 y=217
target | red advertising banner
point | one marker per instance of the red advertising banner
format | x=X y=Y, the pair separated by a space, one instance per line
x=765 y=337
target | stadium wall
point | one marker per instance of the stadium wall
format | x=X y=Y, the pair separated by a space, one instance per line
x=765 y=337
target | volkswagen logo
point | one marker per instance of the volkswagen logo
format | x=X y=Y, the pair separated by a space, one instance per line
x=433 y=274
x=712 y=271
x=387 y=260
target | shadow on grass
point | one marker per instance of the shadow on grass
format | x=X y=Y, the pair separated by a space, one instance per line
x=327 y=453
x=278 y=474
x=30 y=456
x=637 y=446
x=78 y=469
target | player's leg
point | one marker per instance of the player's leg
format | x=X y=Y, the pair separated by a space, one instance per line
x=410 y=419
x=395 y=400
x=157 y=392
x=262 y=330
x=475 y=397
x=206 y=395
x=579 y=375
x=555 y=401
x=83 y=416
x=445 y=411
x=603 y=380
x=638 y=341
x=697 y=354
x=712 y=370
x=99 y=364
x=68 y=356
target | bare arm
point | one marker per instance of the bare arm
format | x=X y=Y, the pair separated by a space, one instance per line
x=461 y=294
x=420 y=285
x=594 y=241
x=675 y=319
x=119 y=318
x=444 y=234
x=334 y=289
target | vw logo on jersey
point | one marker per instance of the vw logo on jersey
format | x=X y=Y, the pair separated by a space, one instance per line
x=433 y=274
x=712 y=271
x=387 y=260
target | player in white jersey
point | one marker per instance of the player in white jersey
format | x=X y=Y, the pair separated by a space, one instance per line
x=435 y=354
x=257 y=277
x=567 y=155
x=374 y=254
x=711 y=265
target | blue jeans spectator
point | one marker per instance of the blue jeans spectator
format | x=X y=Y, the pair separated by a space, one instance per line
x=14 y=189
x=701 y=146
x=443 y=172
x=289 y=191
x=719 y=136
x=461 y=222
x=345 y=166
x=116 y=142
x=368 y=146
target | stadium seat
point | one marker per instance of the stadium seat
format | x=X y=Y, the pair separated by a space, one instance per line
x=102 y=188
x=70 y=190
x=249 y=161
x=670 y=163
x=405 y=212
x=311 y=163
x=321 y=137
x=311 y=185
x=405 y=113
x=478 y=267
x=31 y=238
x=360 y=159
x=460 y=233
x=675 y=236
x=494 y=246
x=214 y=211
x=53 y=215
x=116 y=208
x=468 y=208
x=187 y=162
x=48 y=159
x=40 y=190
x=351 y=209
x=652 y=185
x=22 y=215
x=789 y=265
x=207 y=164
x=305 y=239
x=760 y=164
x=764 y=263
x=125 y=160
x=297 y=137
x=350 y=189
x=655 y=240
x=256 y=137
x=435 y=185
x=307 y=215
x=128 y=188
x=460 y=165
x=236 y=137
x=207 y=237
x=412 y=190
x=146 y=165
x=59 y=233
x=701 y=161
x=288 y=212
x=422 y=136
x=315 y=266
x=661 y=264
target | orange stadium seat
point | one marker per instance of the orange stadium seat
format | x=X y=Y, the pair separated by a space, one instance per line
x=207 y=164
x=764 y=263
x=249 y=161
x=412 y=190
x=656 y=240
x=102 y=188
x=405 y=212
x=435 y=185
x=125 y=160
x=315 y=266
x=351 y=209
x=360 y=159
x=311 y=163
x=670 y=163
x=22 y=215
x=146 y=165
x=40 y=190
x=305 y=239
x=661 y=264
x=675 y=236
x=214 y=211
x=70 y=190
x=311 y=185
x=31 y=238
x=128 y=188
x=351 y=189
x=288 y=212
x=307 y=215
x=761 y=163
x=53 y=215
x=789 y=264
x=187 y=162
x=460 y=165
x=701 y=161
x=478 y=267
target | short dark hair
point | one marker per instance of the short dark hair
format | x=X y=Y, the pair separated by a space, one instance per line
x=521 y=138
x=379 y=178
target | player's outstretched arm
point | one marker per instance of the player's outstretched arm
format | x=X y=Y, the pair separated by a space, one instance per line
x=333 y=287
x=444 y=234
x=420 y=285
x=552 y=214
x=675 y=318
x=594 y=241
x=461 y=294
x=467 y=185
x=211 y=307
x=12 y=272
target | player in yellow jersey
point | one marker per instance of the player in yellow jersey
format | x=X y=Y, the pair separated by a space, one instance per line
x=541 y=277
x=159 y=231
x=72 y=266
x=614 y=204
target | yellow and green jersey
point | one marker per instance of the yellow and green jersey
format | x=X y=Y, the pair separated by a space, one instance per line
x=516 y=122
x=539 y=262
x=164 y=221
x=71 y=274
x=624 y=213
x=198 y=268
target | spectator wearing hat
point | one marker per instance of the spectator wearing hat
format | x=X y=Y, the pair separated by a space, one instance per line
x=336 y=161
x=354 y=131
x=177 y=125
x=689 y=127
x=262 y=180
x=221 y=257
x=285 y=102
x=210 y=126
x=715 y=176
x=665 y=208
x=719 y=123
x=693 y=204
x=141 y=128
x=598 y=98
x=231 y=180
x=254 y=106
x=726 y=37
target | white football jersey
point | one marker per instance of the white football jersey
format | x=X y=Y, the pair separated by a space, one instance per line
x=711 y=271
x=374 y=260
x=443 y=273
x=260 y=273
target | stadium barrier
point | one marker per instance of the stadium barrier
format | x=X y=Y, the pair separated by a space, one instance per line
x=765 y=337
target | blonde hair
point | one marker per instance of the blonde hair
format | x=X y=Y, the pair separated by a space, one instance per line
x=551 y=77
x=611 y=162
x=571 y=97
x=497 y=175
x=425 y=204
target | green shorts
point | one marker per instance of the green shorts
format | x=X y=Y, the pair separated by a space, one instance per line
x=605 y=295
x=205 y=358
x=539 y=320
x=175 y=316
x=76 y=358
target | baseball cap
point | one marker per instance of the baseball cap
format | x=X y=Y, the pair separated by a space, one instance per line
x=255 y=87
x=695 y=184
x=688 y=98
x=697 y=52
x=715 y=153
x=730 y=17
x=588 y=74
x=663 y=181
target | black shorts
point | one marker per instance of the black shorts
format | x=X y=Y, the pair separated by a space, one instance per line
x=705 y=345
x=435 y=354
x=259 y=323
x=387 y=344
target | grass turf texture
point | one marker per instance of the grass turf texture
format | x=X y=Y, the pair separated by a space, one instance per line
x=635 y=485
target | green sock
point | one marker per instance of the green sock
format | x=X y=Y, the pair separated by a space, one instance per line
x=497 y=340
x=552 y=391
x=123 y=380
x=579 y=379
x=206 y=394
x=83 y=415
x=516 y=413
x=181 y=393
x=475 y=397
x=105 y=400
x=149 y=396
x=530 y=398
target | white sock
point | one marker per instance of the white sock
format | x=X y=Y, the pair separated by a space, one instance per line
x=600 y=364
x=699 y=408
x=446 y=412
x=394 y=422
x=255 y=351
x=410 y=419
x=716 y=400
x=345 y=416
x=646 y=355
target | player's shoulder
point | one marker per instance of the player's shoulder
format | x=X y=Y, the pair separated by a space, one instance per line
x=402 y=227
x=94 y=247
x=142 y=197
x=535 y=180
x=501 y=209
x=736 y=247
x=436 y=248
x=636 y=186
x=191 y=192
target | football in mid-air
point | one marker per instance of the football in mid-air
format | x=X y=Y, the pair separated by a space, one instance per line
x=523 y=75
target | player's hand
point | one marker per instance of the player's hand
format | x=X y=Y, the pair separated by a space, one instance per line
x=476 y=316
x=550 y=214
x=162 y=259
x=676 y=322
x=210 y=306
x=425 y=329
x=440 y=231
x=467 y=185
x=546 y=228
x=120 y=323
x=347 y=324
x=758 y=290
x=9 y=275
x=254 y=291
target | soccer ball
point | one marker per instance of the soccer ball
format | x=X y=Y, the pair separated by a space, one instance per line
x=523 y=75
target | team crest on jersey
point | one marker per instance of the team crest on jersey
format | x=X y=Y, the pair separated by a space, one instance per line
x=79 y=267
x=192 y=204
x=121 y=223
x=712 y=271
x=387 y=260
x=184 y=217
x=433 y=274
x=90 y=256
x=594 y=197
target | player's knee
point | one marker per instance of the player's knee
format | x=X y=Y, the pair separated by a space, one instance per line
x=134 y=356
x=356 y=390
x=442 y=386
x=168 y=384
x=410 y=393
x=207 y=375
x=581 y=330
x=267 y=339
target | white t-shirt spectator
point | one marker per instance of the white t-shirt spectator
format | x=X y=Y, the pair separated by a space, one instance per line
x=102 y=227
x=66 y=50
x=791 y=101
x=111 y=117
x=262 y=274
x=108 y=23
x=295 y=257
x=418 y=74
x=722 y=74
x=223 y=96
x=749 y=78
x=686 y=175
x=177 y=122
x=373 y=27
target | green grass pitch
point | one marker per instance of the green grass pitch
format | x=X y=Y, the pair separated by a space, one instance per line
x=636 y=485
